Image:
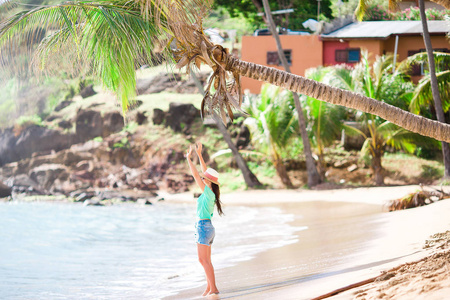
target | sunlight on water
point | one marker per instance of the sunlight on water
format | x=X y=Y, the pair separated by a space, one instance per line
x=59 y=251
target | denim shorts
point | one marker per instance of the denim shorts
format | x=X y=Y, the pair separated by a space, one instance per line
x=204 y=232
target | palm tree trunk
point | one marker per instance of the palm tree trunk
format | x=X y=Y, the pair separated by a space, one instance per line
x=434 y=85
x=250 y=179
x=377 y=168
x=320 y=91
x=281 y=171
x=313 y=175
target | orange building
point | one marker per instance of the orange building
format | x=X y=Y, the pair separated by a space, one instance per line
x=345 y=45
x=302 y=52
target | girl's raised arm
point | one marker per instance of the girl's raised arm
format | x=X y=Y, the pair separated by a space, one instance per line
x=193 y=169
x=198 y=149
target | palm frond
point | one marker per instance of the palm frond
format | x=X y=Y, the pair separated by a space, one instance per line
x=352 y=131
x=423 y=95
x=440 y=58
x=361 y=10
x=365 y=149
x=111 y=38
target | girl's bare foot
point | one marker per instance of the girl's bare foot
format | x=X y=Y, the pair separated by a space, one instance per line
x=206 y=292
x=216 y=292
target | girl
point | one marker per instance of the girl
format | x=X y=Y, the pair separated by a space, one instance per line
x=204 y=236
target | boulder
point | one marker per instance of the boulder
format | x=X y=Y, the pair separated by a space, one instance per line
x=5 y=191
x=64 y=124
x=181 y=116
x=62 y=105
x=88 y=91
x=30 y=140
x=112 y=123
x=162 y=82
x=143 y=201
x=158 y=116
x=46 y=174
x=142 y=85
x=140 y=118
x=89 y=124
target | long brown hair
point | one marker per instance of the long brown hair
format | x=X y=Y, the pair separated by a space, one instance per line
x=216 y=190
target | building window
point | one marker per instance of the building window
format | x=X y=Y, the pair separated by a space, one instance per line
x=349 y=55
x=272 y=57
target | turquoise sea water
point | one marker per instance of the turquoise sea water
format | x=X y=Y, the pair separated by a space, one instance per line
x=69 y=251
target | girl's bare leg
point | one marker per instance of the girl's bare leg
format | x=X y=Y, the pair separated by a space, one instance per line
x=204 y=256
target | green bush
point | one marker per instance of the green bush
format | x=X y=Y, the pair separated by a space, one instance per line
x=430 y=172
x=425 y=153
x=25 y=121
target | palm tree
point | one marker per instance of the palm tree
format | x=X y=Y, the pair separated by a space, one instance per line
x=434 y=86
x=324 y=119
x=380 y=135
x=250 y=179
x=433 y=80
x=423 y=96
x=313 y=176
x=272 y=125
x=113 y=36
x=378 y=82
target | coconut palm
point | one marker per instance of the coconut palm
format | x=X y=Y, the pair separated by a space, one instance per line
x=114 y=36
x=378 y=135
x=324 y=120
x=423 y=96
x=434 y=86
x=272 y=125
x=378 y=82
x=432 y=70
x=250 y=179
x=314 y=177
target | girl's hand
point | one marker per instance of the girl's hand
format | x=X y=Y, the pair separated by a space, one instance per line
x=198 y=148
x=188 y=153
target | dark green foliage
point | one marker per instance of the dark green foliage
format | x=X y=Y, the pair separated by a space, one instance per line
x=303 y=10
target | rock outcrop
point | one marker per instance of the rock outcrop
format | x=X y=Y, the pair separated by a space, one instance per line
x=181 y=116
x=31 y=140
x=88 y=91
x=88 y=124
x=5 y=191
x=112 y=123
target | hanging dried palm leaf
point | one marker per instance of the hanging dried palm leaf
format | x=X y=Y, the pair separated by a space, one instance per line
x=223 y=92
x=419 y=198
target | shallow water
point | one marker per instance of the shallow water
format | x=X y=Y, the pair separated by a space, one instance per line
x=60 y=251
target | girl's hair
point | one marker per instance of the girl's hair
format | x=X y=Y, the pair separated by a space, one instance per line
x=216 y=191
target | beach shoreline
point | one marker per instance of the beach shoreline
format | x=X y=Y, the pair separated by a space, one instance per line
x=349 y=220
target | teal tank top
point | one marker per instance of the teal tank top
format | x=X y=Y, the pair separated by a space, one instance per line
x=205 y=204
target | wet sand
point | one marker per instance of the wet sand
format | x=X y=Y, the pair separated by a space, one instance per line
x=349 y=239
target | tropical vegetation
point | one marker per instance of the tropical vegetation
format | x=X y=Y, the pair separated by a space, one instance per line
x=273 y=124
x=110 y=39
x=324 y=120
x=117 y=35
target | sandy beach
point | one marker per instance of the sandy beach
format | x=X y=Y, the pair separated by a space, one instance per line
x=350 y=238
